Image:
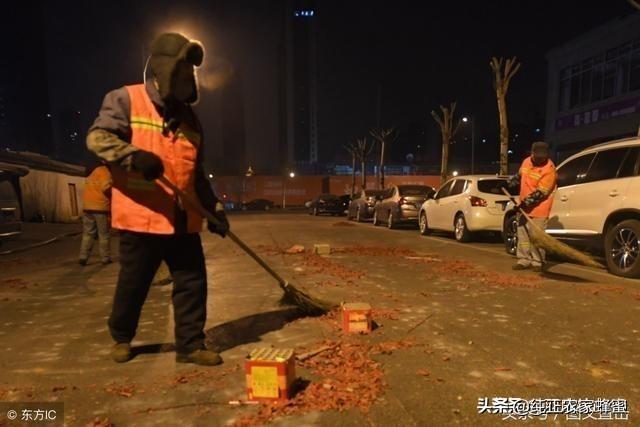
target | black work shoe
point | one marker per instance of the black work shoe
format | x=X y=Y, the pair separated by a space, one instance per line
x=519 y=267
x=200 y=357
x=82 y=261
x=121 y=352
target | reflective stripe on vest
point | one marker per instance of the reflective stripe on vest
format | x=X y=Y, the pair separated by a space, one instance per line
x=145 y=206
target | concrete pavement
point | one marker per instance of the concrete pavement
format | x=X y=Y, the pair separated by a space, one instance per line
x=455 y=325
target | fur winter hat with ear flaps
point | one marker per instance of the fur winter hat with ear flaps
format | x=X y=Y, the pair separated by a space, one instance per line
x=167 y=51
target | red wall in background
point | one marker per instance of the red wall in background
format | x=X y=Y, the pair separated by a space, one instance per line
x=302 y=188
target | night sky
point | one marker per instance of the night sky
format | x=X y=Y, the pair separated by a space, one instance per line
x=420 y=53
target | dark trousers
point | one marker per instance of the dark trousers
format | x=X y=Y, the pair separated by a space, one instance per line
x=140 y=257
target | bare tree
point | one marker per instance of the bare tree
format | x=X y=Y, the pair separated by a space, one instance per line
x=352 y=149
x=363 y=149
x=501 y=79
x=384 y=137
x=448 y=132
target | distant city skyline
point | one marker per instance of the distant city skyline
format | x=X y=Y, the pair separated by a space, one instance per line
x=419 y=55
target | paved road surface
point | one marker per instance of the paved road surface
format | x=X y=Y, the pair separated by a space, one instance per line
x=470 y=326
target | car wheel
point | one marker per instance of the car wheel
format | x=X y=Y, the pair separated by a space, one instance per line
x=266 y=207
x=390 y=223
x=510 y=234
x=423 y=224
x=358 y=216
x=461 y=231
x=376 y=221
x=622 y=249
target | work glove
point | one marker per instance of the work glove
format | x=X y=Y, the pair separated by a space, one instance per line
x=148 y=164
x=223 y=227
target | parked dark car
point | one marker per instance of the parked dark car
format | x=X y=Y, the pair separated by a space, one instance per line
x=363 y=204
x=257 y=205
x=10 y=224
x=401 y=205
x=326 y=203
x=345 y=200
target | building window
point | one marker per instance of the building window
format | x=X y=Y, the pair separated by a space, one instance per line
x=615 y=72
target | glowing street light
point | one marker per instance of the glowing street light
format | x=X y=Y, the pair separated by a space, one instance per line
x=292 y=175
x=210 y=176
x=467 y=119
x=455 y=173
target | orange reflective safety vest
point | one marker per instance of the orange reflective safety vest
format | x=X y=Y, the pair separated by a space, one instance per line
x=146 y=206
x=541 y=178
x=96 y=195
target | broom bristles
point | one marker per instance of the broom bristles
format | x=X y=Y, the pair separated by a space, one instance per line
x=553 y=246
x=307 y=303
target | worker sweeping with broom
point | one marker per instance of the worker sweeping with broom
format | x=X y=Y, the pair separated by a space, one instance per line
x=147 y=131
x=537 y=181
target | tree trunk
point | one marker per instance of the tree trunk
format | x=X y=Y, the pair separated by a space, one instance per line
x=353 y=175
x=504 y=134
x=445 y=159
x=382 y=166
x=364 y=174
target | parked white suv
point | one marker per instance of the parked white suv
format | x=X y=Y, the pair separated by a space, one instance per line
x=464 y=205
x=597 y=204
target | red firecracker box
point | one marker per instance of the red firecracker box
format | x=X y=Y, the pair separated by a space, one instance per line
x=356 y=317
x=270 y=374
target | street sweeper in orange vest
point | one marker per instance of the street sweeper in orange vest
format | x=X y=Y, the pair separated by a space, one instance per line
x=146 y=131
x=537 y=181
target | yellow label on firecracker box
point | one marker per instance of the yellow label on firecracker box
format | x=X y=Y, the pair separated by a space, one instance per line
x=358 y=326
x=264 y=381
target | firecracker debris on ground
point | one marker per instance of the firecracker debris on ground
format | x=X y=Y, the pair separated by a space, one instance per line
x=438 y=318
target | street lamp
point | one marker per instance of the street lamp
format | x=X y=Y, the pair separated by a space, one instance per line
x=210 y=176
x=455 y=173
x=467 y=119
x=284 y=188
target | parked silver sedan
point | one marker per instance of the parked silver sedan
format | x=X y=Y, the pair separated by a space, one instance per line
x=362 y=205
x=401 y=205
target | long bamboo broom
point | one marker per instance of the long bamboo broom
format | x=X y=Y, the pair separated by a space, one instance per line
x=292 y=295
x=551 y=245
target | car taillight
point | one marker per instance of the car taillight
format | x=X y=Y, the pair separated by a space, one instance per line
x=477 y=201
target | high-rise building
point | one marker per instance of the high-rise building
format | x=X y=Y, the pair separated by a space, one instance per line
x=232 y=127
x=298 y=85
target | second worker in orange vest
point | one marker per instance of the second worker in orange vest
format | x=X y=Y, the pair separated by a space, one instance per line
x=537 y=180
x=146 y=131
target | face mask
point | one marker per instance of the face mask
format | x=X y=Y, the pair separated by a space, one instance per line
x=539 y=160
x=183 y=86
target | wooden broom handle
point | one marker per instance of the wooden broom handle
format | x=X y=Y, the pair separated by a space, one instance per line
x=506 y=193
x=210 y=217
